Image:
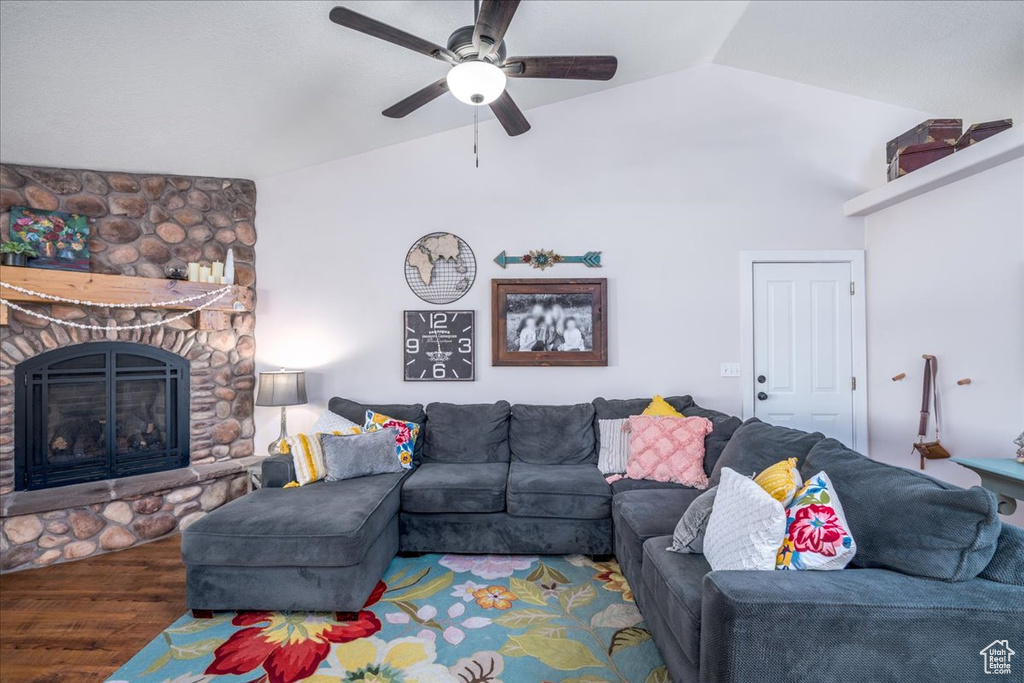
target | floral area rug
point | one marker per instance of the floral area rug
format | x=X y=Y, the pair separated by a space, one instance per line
x=432 y=619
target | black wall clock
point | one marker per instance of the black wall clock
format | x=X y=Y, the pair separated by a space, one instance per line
x=440 y=346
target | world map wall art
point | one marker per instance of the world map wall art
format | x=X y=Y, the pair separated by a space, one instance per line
x=440 y=268
x=60 y=240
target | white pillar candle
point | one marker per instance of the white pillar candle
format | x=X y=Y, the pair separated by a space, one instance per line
x=217 y=271
x=229 y=267
x=204 y=273
x=193 y=272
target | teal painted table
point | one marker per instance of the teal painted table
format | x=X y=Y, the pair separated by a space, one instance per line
x=1002 y=476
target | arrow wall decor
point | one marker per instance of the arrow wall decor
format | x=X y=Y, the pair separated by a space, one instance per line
x=545 y=258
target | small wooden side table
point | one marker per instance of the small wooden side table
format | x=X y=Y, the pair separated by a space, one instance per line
x=1002 y=476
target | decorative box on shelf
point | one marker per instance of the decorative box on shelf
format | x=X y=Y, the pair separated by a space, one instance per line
x=932 y=130
x=913 y=157
x=982 y=131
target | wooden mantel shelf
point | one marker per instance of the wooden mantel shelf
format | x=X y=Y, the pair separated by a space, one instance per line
x=997 y=150
x=118 y=289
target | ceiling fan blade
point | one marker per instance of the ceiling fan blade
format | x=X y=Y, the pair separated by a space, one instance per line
x=417 y=99
x=509 y=115
x=492 y=22
x=594 y=68
x=371 y=27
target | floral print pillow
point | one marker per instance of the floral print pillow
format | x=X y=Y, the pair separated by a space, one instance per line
x=405 y=434
x=817 y=535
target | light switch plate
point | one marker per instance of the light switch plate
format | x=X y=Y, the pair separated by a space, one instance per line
x=730 y=369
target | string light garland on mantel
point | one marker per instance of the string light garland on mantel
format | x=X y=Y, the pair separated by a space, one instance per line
x=214 y=295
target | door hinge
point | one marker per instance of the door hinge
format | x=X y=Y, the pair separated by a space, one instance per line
x=853 y=289
x=853 y=383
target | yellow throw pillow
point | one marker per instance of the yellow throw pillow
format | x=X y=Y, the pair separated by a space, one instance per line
x=659 y=407
x=781 y=481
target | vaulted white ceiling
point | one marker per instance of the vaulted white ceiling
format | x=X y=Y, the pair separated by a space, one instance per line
x=254 y=89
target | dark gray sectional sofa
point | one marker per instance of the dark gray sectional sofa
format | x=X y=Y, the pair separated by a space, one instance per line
x=936 y=577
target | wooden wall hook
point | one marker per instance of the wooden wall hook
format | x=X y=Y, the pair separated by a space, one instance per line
x=897 y=378
x=964 y=382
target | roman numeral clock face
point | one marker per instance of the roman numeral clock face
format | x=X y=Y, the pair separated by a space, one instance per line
x=439 y=346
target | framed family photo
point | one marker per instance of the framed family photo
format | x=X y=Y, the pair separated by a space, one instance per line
x=540 y=322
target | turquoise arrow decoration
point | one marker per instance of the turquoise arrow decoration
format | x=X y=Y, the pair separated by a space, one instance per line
x=545 y=258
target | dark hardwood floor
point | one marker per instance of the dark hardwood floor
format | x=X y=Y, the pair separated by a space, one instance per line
x=80 y=621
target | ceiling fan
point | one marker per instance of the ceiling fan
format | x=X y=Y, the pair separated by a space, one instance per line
x=479 y=66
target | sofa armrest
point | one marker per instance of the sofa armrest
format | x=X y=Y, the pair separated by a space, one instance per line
x=277 y=471
x=869 y=624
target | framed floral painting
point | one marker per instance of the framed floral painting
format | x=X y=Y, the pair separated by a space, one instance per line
x=59 y=239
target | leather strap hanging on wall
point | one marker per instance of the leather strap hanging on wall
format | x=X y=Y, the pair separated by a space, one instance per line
x=930 y=450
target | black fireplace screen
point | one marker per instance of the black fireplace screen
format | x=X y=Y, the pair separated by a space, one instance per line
x=99 y=410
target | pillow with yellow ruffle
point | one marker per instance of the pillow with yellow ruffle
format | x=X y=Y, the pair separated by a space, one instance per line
x=782 y=480
x=405 y=435
x=308 y=457
x=659 y=407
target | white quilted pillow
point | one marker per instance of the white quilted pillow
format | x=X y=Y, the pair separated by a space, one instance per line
x=332 y=423
x=746 y=526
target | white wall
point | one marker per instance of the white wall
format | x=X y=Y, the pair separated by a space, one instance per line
x=669 y=177
x=945 y=276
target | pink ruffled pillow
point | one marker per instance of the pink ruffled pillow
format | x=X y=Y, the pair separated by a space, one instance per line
x=668 y=449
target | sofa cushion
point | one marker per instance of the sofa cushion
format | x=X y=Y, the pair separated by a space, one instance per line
x=566 y=491
x=553 y=435
x=466 y=433
x=907 y=521
x=643 y=514
x=758 y=445
x=673 y=586
x=618 y=408
x=1007 y=565
x=456 y=487
x=724 y=427
x=407 y=412
x=326 y=524
x=627 y=484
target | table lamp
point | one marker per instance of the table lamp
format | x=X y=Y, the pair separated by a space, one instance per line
x=281 y=388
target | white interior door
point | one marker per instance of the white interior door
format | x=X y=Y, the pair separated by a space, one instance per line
x=803 y=347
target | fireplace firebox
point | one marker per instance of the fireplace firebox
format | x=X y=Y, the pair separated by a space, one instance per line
x=97 y=411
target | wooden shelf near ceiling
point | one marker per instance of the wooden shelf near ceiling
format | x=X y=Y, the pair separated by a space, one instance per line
x=122 y=289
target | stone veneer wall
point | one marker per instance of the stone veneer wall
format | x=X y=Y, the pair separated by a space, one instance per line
x=140 y=225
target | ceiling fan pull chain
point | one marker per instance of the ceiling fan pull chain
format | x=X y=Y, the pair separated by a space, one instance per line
x=476 y=135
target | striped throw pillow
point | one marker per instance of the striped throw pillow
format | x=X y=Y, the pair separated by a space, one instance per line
x=308 y=457
x=611 y=459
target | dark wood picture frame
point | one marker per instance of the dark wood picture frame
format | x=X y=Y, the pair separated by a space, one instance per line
x=596 y=288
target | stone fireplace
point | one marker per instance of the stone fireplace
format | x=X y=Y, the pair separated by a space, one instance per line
x=98 y=411
x=113 y=438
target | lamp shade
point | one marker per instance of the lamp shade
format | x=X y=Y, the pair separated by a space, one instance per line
x=476 y=83
x=282 y=388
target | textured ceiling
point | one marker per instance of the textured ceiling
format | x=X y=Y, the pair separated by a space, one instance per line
x=954 y=59
x=253 y=89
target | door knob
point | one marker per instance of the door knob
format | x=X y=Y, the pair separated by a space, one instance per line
x=761 y=396
x=761 y=379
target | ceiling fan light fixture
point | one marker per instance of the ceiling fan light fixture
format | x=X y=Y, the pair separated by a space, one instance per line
x=476 y=82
